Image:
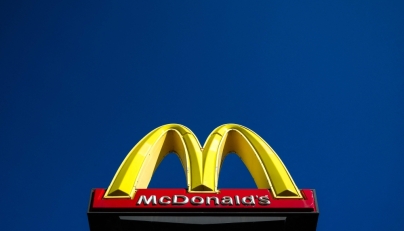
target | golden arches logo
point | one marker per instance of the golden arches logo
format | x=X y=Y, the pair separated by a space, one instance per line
x=202 y=165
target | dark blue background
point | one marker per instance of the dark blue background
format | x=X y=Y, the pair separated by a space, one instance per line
x=83 y=81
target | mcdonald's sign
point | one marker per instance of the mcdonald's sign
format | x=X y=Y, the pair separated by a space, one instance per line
x=276 y=193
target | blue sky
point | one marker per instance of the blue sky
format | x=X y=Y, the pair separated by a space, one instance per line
x=81 y=82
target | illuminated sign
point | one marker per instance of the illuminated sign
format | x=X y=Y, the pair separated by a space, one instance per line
x=276 y=203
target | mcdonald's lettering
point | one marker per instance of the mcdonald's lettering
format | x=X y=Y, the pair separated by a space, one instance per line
x=198 y=200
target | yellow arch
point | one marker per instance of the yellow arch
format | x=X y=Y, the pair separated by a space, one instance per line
x=202 y=166
x=261 y=160
x=139 y=165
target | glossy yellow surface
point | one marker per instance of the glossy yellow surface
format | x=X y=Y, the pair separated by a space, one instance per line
x=261 y=160
x=139 y=165
x=202 y=166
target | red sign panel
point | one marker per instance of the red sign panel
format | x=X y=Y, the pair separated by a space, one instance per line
x=225 y=199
